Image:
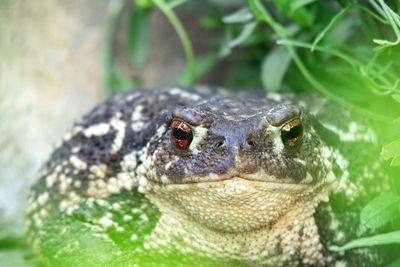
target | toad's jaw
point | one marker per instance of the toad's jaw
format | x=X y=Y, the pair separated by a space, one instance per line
x=247 y=203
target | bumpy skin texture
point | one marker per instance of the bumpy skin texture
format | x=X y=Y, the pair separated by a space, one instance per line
x=117 y=191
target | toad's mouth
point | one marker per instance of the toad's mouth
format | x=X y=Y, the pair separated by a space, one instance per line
x=242 y=177
x=235 y=186
x=249 y=178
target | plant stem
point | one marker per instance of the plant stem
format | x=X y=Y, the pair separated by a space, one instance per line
x=190 y=71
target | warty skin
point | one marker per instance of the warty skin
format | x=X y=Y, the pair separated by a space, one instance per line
x=203 y=176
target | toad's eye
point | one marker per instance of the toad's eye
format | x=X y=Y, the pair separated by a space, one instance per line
x=181 y=134
x=292 y=133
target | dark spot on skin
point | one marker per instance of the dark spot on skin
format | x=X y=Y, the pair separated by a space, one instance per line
x=297 y=258
x=278 y=247
x=301 y=231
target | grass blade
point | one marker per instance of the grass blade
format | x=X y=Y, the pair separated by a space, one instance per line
x=190 y=71
x=138 y=43
x=382 y=239
x=328 y=27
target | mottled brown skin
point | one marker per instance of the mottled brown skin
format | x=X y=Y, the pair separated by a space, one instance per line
x=244 y=190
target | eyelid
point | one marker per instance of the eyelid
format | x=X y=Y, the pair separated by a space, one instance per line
x=280 y=115
x=190 y=120
x=190 y=125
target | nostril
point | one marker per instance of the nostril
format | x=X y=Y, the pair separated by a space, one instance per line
x=220 y=143
x=251 y=143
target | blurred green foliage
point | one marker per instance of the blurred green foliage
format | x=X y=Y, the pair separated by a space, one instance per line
x=341 y=48
x=348 y=50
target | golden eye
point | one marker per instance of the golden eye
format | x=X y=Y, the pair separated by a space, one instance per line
x=181 y=134
x=292 y=133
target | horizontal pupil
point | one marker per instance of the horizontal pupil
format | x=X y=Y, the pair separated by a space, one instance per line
x=294 y=132
x=180 y=134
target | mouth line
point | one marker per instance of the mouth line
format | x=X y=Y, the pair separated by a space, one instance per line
x=238 y=177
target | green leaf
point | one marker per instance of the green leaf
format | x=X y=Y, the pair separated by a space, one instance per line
x=303 y=17
x=274 y=67
x=225 y=49
x=391 y=150
x=176 y=3
x=230 y=42
x=380 y=211
x=15 y=258
x=247 y=30
x=138 y=42
x=395 y=263
x=262 y=14
x=396 y=97
x=296 y=4
x=382 y=239
x=241 y=16
x=300 y=14
x=144 y=3
x=282 y=6
x=296 y=11
x=395 y=161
